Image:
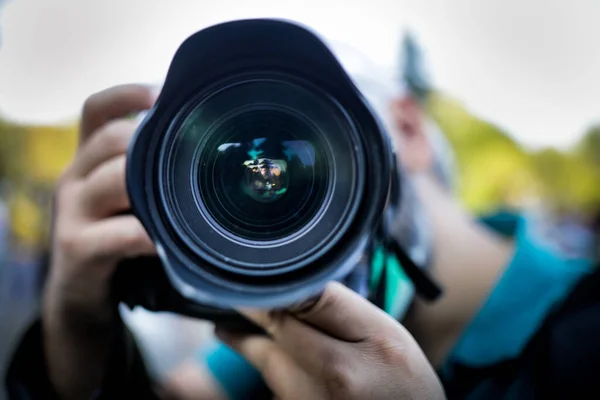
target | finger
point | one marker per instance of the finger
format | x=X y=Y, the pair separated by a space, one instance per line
x=111 y=140
x=104 y=192
x=116 y=238
x=284 y=377
x=344 y=314
x=310 y=347
x=116 y=102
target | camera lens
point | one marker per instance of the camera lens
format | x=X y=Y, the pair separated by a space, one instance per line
x=257 y=163
x=262 y=173
x=265 y=180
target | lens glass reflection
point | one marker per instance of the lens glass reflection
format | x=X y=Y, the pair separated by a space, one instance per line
x=261 y=162
x=262 y=187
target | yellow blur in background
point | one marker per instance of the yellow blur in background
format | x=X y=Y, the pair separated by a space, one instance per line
x=494 y=171
x=31 y=160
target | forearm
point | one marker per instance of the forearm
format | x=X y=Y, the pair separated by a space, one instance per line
x=77 y=343
x=77 y=360
x=48 y=368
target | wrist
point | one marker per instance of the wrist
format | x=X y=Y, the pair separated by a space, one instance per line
x=72 y=311
x=77 y=348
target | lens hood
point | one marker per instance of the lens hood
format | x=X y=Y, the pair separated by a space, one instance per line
x=270 y=69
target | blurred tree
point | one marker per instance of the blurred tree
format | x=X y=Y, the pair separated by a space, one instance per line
x=589 y=146
x=11 y=138
x=31 y=159
x=47 y=151
x=587 y=154
x=27 y=219
x=494 y=170
x=568 y=179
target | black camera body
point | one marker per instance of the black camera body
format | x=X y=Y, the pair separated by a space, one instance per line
x=260 y=174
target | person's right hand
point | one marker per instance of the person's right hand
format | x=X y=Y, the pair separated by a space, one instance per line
x=90 y=235
x=338 y=346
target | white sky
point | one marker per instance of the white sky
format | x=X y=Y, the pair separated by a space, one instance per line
x=530 y=66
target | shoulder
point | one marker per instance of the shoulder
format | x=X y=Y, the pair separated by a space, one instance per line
x=538 y=278
x=561 y=360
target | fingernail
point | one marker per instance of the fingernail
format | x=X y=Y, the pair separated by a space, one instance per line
x=304 y=306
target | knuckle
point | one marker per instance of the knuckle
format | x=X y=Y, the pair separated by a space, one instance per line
x=117 y=173
x=274 y=322
x=322 y=305
x=338 y=375
x=340 y=385
x=134 y=239
x=68 y=243
x=92 y=106
x=327 y=300
x=111 y=174
x=333 y=359
x=389 y=351
x=63 y=180
x=64 y=194
x=60 y=186
x=66 y=178
x=115 y=137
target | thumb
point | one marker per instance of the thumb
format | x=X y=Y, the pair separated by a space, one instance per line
x=344 y=314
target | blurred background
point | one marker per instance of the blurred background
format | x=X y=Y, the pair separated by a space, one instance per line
x=515 y=91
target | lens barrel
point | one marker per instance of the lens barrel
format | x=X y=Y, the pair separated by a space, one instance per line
x=260 y=173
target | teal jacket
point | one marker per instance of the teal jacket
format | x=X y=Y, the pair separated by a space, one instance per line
x=537 y=279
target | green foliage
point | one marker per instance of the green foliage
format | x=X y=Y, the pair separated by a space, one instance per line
x=11 y=140
x=589 y=146
x=31 y=160
x=35 y=154
x=569 y=179
x=496 y=171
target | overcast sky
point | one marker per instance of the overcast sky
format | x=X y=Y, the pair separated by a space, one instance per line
x=530 y=66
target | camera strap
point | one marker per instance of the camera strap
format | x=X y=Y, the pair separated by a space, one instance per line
x=386 y=246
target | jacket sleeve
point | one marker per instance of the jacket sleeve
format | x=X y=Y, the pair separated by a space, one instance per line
x=126 y=374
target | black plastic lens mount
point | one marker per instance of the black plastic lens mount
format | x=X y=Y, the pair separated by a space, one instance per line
x=260 y=173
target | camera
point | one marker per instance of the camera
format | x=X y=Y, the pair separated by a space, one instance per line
x=260 y=174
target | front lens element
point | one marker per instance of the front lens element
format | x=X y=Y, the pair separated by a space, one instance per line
x=262 y=174
x=257 y=163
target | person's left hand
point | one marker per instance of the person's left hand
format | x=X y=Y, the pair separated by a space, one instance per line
x=342 y=347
